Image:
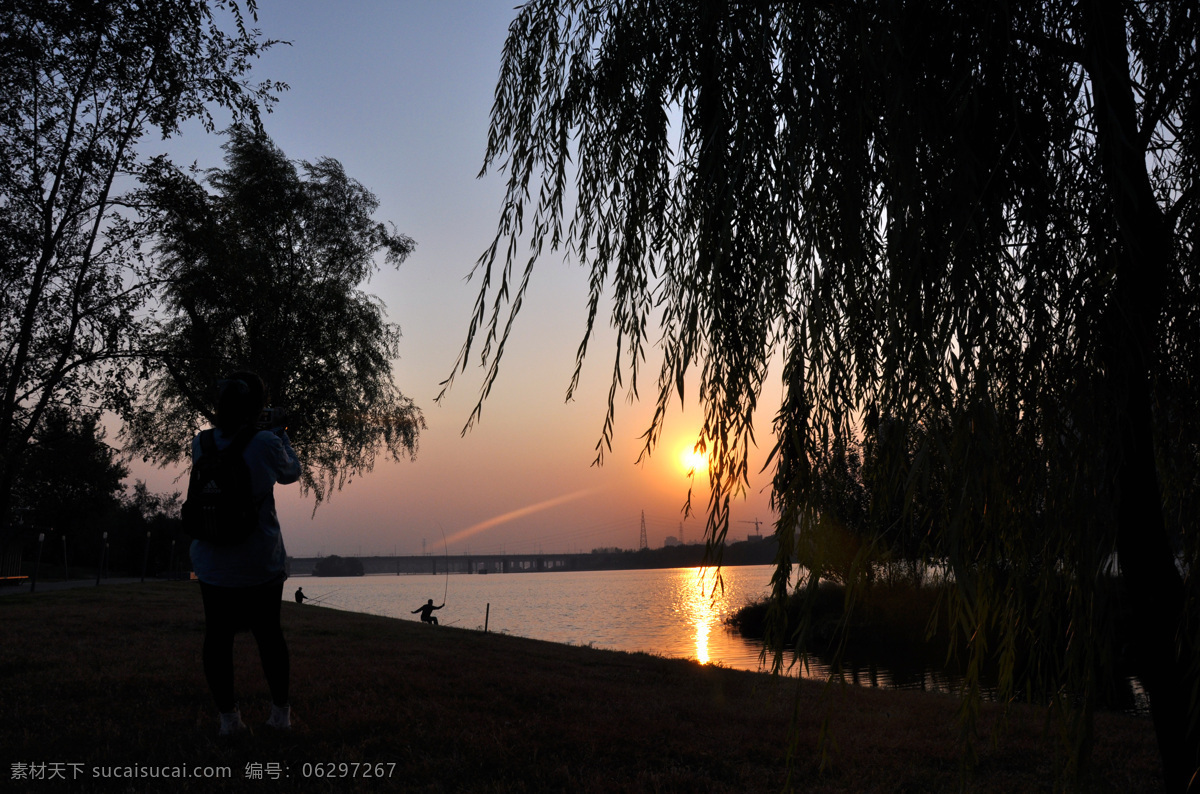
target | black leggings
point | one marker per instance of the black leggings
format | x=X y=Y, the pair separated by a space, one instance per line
x=228 y=610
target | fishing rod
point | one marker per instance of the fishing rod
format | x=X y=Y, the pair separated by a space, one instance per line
x=326 y=595
x=446 y=552
x=323 y=600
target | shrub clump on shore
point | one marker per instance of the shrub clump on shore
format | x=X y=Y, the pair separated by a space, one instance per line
x=892 y=614
x=908 y=625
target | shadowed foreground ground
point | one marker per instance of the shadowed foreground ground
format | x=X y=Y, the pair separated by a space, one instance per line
x=111 y=677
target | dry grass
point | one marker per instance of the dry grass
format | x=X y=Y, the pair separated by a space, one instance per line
x=112 y=677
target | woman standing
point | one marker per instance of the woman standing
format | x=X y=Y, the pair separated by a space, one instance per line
x=242 y=584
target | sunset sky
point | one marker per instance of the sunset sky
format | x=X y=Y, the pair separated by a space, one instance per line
x=400 y=93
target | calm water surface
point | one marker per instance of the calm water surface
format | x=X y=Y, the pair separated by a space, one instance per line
x=677 y=612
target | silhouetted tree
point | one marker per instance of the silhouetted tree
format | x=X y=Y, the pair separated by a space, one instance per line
x=71 y=479
x=265 y=273
x=81 y=85
x=838 y=540
x=71 y=486
x=142 y=531
x=906 y=485
x=985 y=212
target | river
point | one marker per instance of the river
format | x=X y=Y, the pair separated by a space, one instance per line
x=672 y=612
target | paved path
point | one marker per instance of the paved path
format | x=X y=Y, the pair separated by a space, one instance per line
x=43 y=587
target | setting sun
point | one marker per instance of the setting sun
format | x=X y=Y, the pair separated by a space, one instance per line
x=692 y=460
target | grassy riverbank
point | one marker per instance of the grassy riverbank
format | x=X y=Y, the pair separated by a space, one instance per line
x=111 y=677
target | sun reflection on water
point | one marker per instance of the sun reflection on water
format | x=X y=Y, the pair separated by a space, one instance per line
x=703 y=605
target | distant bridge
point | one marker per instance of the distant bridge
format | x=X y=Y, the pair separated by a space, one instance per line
x=754 y=552
x=473 y=563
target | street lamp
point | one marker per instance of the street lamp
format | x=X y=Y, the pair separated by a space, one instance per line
x=103 y=554
x=37 y=562
x=145 y=555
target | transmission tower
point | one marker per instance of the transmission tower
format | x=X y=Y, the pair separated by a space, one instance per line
x=642 y=544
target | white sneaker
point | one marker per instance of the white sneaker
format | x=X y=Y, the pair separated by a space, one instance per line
x=231 y=723
x=281 y=717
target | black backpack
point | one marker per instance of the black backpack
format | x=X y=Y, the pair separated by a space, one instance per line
x=220 y=506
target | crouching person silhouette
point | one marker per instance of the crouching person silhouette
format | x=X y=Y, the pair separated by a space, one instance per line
x=241 y=579
x=426 y=611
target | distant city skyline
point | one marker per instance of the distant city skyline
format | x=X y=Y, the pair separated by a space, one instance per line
x=400 y=93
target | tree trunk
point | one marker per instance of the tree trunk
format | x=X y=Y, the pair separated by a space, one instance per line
x=1148 y=565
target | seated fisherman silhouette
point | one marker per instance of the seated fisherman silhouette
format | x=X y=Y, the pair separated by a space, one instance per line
x=426 y=611
x=300 y=595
